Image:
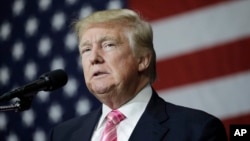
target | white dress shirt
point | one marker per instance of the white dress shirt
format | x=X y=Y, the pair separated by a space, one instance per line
x=132 y=110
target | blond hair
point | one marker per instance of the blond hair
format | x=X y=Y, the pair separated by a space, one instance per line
x=139 y=31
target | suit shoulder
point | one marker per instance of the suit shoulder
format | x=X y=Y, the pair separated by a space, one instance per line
x=194 y=117
x=198 y=123
x=65 y=130
x=76 y=120
x=188 y=112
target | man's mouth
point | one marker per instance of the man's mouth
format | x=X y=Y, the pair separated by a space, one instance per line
x=99 y=73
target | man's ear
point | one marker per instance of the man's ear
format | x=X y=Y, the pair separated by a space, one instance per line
x=144 y=61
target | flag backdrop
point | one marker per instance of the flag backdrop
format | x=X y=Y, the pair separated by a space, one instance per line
x=203 y=58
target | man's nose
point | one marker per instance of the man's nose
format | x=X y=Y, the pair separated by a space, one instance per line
x=96 y=56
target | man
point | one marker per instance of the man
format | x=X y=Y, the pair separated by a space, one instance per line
x=119 y=65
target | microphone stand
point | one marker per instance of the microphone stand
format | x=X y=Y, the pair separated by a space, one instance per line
x=20 y=105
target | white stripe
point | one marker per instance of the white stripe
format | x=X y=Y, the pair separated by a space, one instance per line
x=202 y=28
x=222 y=97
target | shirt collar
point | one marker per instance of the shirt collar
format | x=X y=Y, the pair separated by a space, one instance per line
x=138 y=103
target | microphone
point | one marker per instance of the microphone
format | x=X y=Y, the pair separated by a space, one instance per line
x=47 y=82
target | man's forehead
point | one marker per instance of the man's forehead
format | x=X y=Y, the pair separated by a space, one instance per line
x=99 y=39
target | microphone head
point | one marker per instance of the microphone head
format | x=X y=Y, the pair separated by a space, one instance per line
x=54 y=79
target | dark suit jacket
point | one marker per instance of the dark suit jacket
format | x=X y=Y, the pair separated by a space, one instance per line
x=161 y=121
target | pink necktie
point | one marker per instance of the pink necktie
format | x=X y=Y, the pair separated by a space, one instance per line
x=113 y=118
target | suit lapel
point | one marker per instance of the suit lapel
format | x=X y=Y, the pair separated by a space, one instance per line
x=84 y=133
x=152 y=126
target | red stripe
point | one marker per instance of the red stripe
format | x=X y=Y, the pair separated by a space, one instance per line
x=243 y=119
x=164 y=8
x=218 y=61
x=205 y=64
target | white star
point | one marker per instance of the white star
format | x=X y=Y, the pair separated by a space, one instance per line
x=57 y=63
x=5 y=30
x=55 y=112
x=44 y=46
x=71 y=42
x=28 y=118
x=14 y=100
x=82 y=106
x=30 y=70
x=18 y=7
x=12 y=137
x=114 y=4
x=71 y=87
x=44 y=4
x=4 y=75
x=39 y=135
x=58 y=21
x=31 y=26
x=79 y=62
x=18 y=50
x=43 y=96
x=3 y=121
x=71 y=2
x=85 y=11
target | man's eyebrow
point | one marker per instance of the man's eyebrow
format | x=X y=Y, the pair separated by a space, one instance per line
x=105 y=38
x=100 y=40
x=85 y=43
x=111 y=38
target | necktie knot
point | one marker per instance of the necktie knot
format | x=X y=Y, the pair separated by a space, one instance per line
x=115 y=117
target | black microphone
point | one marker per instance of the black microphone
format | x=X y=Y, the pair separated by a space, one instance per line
x=47 y=82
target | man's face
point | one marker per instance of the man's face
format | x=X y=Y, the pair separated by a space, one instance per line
x=108 y=61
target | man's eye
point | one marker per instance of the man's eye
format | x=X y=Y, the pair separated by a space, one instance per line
x=85 y=50
x=108 y=45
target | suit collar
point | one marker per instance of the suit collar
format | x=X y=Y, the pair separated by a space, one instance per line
x=151 y=126
x=87 y=128
x=153 y=123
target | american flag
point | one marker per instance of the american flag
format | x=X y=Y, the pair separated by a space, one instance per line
x=202 y=47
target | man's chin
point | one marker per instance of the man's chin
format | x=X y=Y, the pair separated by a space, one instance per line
x=101 y=87
x=101 y=90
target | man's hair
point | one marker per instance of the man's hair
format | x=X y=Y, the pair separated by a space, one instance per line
x=139 y=32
